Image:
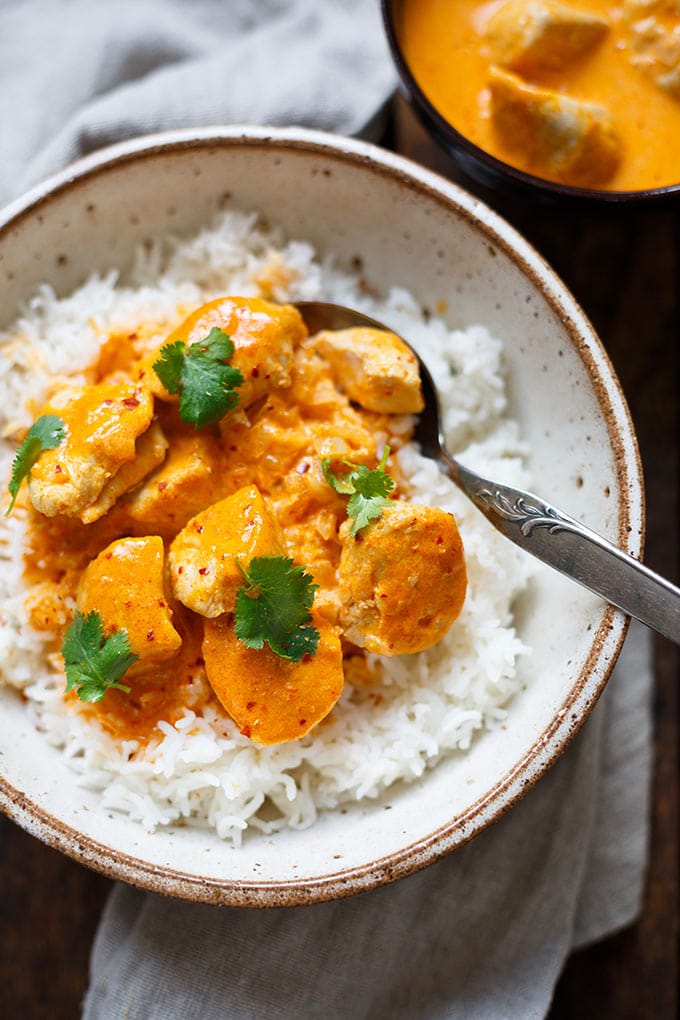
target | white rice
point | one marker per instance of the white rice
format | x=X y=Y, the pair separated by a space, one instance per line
x=202 y=771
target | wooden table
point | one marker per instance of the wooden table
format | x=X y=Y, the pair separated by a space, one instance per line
x=626 y=275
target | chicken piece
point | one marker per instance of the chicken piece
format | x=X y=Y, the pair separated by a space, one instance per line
x=535 y=36
x=272 y=700
x=555 y=136
x=203 y=557
x=373 y=367
x=186 y=483
x=653 y=31
x=264 y=336
x=402 y=579
x=150 y=449
x=102 y=425
x=124 y=584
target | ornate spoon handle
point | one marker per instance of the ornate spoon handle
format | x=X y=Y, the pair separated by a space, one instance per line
x=573 y=549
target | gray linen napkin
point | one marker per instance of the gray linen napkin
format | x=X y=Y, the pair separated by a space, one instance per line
x=481 y=935
x=484 y=933
x=79 y=74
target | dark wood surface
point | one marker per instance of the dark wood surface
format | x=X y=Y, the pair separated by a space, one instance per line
x=625 y=271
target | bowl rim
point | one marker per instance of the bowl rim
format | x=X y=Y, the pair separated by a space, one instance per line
x=449 y=136
x=608 y=638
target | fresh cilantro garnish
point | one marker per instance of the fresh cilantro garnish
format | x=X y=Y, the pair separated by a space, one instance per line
x=199 y=373
x=95 y=663
x=367 y=489
x=45 y=433
x=275 y=607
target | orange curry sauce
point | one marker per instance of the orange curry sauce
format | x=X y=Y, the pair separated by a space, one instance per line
x=446 y=48
x=277 y=446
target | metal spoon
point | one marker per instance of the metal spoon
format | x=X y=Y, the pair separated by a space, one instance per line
x=529 y=522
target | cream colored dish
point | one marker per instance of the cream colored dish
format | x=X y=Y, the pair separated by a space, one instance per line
x=408 y=228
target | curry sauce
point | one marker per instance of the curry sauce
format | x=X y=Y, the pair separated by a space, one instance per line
x=143 y=518
x=584 y=93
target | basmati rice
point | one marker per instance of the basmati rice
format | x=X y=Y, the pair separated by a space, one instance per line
x=201 y=770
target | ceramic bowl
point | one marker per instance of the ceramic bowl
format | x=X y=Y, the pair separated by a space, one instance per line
x=409 y=227
x=492 y=173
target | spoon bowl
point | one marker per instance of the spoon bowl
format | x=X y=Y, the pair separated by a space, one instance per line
x=527 y=520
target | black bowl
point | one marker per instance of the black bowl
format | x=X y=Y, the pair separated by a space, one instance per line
x=493 y=174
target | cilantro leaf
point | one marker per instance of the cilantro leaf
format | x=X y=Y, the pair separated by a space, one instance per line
x=168 y=368
x=199 y=373
x=45 y=433
x=368 y=490
x=275 y=607
x=342 y=485
x=95 y=663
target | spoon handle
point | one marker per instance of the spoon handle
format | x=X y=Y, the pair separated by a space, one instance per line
x=574 y=550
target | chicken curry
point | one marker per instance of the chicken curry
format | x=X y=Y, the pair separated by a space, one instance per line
x=217 y=520
x=584 y=93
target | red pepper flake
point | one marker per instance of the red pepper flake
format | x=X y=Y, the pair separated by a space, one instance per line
x=57 y=469
x=306 y=657
x=439 y=539
x=203 y=571
x=198 y=528
x=162 y=486
x=302 y=722
x=150 y=636
x=127 y=604
x=302 y=468
x=251 y=705
x=108 y=555
x=108 y=403
x=246 y=731
x=180 y=570
x=255 y=372
x=131 y=402
x=161 y=603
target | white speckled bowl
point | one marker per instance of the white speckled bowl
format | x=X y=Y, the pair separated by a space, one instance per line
x=411 y=228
